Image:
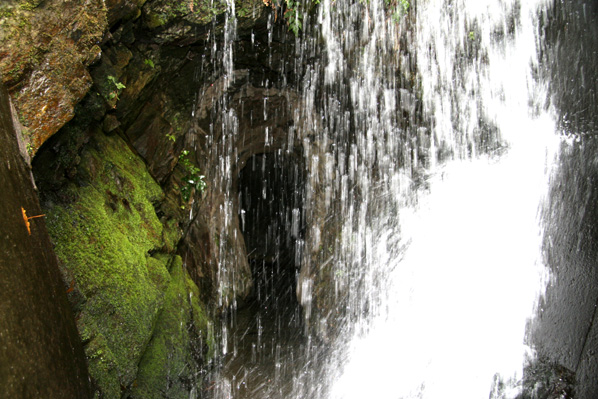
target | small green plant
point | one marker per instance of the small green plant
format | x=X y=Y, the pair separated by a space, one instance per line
x=471 y=35
x=116 y=83
x=398 y=8
x=149 y=63
x=170 y=137
x=192 y=179
x=117 y=87
x=293 y=16
x=294 y=10
x=404 y=5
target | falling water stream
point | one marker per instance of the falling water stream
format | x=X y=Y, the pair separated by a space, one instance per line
x=467 y=284
x=434 y=161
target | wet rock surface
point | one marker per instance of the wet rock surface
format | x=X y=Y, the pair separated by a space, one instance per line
x=545 y=379
x=41 y=354
x=264 y=334
x=45 y=52
x=115 y=96
x=112 y=180
x=566 y=328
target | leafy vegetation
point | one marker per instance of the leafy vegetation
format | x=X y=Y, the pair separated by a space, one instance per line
x=398 y=8
x=116 y=86
x=163 y=12
x=294 y=11
x=293 y=16
x=149 y=63
x=29 y=5
x=192 y=180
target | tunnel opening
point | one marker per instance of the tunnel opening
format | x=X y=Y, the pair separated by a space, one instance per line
x=271 y=191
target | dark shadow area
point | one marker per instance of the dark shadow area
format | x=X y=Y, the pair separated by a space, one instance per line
x=266 y=346
x=271 y=189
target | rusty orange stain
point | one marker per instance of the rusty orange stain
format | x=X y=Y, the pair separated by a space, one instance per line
x=72 y=287
x=26 y=219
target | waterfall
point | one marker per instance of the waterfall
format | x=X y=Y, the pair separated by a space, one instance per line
x=427 y=152
x=462 y=256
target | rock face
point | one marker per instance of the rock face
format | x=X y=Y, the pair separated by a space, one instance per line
x=141 y=121
x=45 y=51
x=41 y=355
x=116 y=254
x=106 y=93
x=140 y=126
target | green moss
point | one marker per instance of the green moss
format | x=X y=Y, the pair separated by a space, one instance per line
x=169 y=367
x=102 y=240
x=155 y=19
x=104 y=365
x=158 y=272
x=201 y=321
x=162 y=12
x=27 y=6
x=171 y=235
x=6 y=12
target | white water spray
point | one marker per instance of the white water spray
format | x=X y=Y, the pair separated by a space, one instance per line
x=461 y=294
x=436 y=248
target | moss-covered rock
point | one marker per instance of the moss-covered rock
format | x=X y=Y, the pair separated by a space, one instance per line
x=182 y=342
x=104 y=239
x=45 y=48
x=126 y=66
x=159 y=13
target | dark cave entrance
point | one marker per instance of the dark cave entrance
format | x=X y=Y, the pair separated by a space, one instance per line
x=271 y=190
x=269 y=326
